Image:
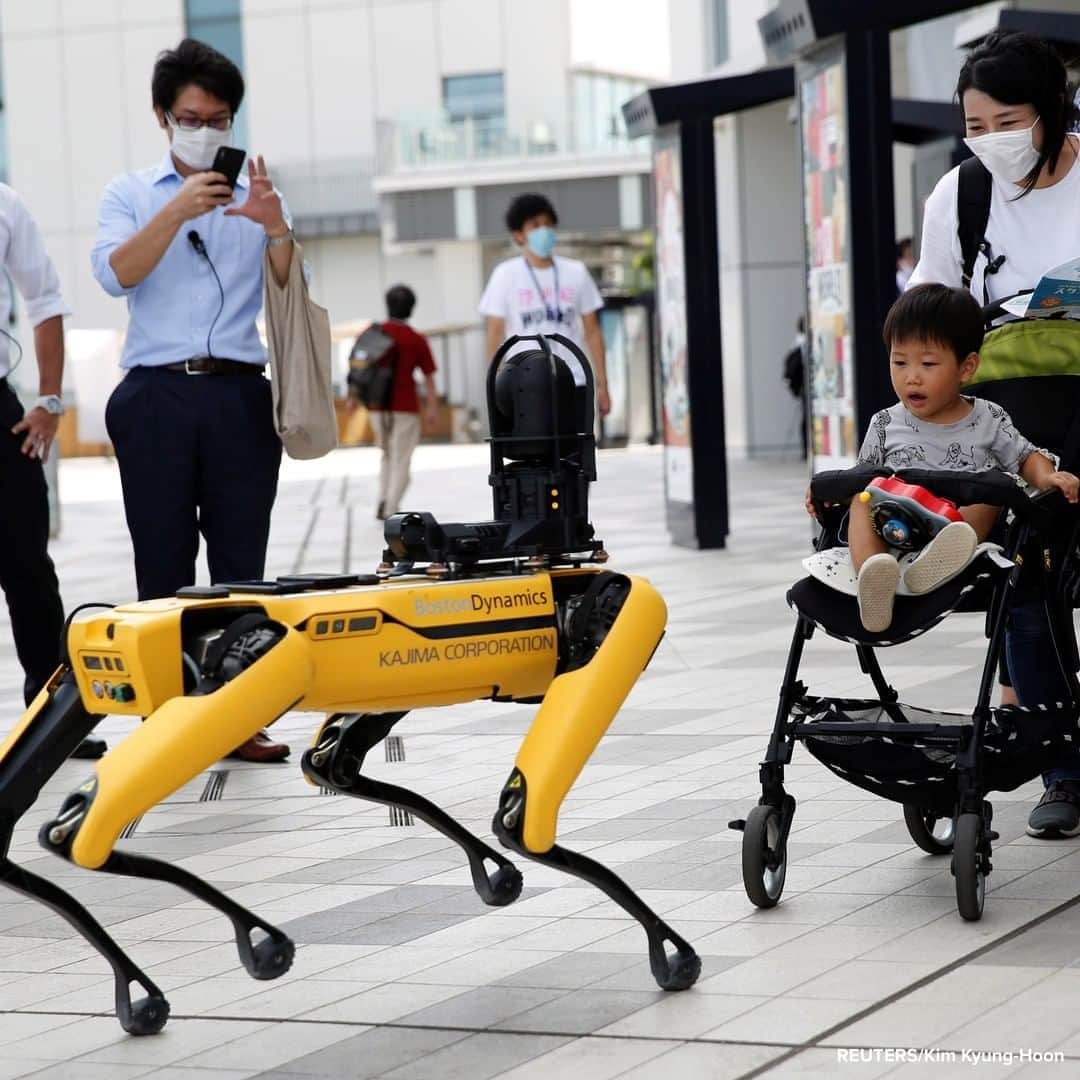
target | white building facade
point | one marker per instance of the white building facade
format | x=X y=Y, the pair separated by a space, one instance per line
x=397 y=129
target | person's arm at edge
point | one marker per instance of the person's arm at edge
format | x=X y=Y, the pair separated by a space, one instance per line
x=938 y=245
x=496 y=334
x=40 y=426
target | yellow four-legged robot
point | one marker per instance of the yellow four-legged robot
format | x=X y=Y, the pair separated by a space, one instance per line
x=515 y=609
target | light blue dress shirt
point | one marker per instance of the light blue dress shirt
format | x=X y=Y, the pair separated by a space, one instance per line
x=171 y=310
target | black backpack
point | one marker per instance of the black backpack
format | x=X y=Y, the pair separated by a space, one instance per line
x=973 y=193
x=371 y=367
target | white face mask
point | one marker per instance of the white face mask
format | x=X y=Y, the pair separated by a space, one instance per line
x=1009 y=155
x=196 y=148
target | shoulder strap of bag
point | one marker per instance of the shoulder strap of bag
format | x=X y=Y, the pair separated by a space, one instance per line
x=973 y=212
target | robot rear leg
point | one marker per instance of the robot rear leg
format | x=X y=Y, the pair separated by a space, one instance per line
x=335 y=762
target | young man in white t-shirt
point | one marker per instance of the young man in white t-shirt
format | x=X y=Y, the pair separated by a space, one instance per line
x=541 y=293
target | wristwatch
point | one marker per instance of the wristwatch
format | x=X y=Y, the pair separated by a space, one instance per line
x=51 y=403
x=283 y=238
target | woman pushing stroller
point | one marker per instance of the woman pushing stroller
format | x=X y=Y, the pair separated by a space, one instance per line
x=1019 y=118
x=934 y=333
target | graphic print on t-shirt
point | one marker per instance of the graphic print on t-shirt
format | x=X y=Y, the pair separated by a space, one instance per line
x=541 y=314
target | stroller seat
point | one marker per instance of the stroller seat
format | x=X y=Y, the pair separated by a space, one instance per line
x=837 y=614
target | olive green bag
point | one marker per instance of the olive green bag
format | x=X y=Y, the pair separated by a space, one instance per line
x=1030 y=347
x=1031 y=368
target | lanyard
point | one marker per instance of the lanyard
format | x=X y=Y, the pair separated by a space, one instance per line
x=552 y=315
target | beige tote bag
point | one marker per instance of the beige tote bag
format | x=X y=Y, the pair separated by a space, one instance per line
x=298 y=338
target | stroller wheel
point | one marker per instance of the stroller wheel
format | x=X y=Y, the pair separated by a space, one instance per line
x=931 y=832
x=763 y=867
x=969 y=866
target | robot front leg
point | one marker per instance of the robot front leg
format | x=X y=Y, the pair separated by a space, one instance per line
x=172 y=746
x=611 y=637
x=53 y=725
x=335 y=762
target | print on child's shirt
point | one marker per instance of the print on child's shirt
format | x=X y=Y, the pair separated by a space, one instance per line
x=536 y=313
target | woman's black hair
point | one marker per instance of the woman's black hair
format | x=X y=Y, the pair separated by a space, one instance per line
x=529 y=206
x=936 y=313
x=1021 y=69
x=400 y=301
x=194 y=62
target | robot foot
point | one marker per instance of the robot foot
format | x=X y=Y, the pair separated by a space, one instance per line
x=144 y=1016
x=268 y=958
x=335 y=761
x=678 y=970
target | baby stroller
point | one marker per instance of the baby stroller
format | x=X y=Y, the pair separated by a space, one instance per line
x=939 y=765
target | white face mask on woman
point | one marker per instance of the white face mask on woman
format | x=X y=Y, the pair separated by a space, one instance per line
x=196 y=148
x=1009 y=155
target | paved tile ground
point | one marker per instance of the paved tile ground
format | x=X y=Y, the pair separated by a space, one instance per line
x=400 y=970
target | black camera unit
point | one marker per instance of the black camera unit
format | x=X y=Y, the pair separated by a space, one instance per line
x=543 y=458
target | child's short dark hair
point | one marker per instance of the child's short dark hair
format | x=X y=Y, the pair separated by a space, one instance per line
x=528 y=206
x=936 y=313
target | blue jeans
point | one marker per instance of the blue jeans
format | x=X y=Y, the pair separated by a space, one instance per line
x=1035 y=675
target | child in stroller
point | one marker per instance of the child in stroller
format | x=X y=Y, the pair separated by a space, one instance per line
x=940 y=765
x=934 y=334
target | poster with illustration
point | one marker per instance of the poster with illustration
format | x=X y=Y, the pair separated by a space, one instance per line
x=671 y=305
x=826 y=196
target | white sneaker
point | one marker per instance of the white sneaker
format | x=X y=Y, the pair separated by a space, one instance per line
x=879 y=578
x=943 y=558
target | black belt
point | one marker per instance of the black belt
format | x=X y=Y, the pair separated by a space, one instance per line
x=210 y=365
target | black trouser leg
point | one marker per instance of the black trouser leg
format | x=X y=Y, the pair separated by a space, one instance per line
x=27 y=574
x=152 y=419
x=239 y=458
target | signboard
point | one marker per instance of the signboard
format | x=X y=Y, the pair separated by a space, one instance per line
x=671 y=306
x=827 y=214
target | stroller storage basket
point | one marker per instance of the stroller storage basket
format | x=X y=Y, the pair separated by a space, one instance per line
x=908 y=754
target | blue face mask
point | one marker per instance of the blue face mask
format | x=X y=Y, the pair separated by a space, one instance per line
x=541 y=241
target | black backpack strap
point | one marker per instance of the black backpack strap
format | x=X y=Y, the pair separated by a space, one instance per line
x=973 y=212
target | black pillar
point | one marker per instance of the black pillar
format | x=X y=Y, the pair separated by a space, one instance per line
x=873 y=218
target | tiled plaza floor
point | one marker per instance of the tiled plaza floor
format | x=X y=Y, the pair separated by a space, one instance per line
x=401 y=972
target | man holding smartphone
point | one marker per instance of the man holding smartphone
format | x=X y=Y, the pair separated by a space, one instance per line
x=192 y=422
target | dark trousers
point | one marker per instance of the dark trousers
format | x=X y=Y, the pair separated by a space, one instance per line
x=1035 y=675
x=197 y=454
x=27 y=575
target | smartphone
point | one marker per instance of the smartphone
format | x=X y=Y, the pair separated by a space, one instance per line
x=228 y=161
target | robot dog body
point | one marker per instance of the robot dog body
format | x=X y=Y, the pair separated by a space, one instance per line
x=501 y=610
x=374 y=651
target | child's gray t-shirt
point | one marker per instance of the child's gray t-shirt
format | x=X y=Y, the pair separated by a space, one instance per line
x=984 y=439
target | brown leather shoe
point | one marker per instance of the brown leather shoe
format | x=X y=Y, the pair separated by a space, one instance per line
x=261 y=748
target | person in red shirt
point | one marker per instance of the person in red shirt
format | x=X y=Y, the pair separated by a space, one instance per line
x=397 y=429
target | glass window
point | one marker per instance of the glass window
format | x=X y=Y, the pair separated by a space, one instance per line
x=474 y=95
x=598 y=101
x=217 y=22
x=476 y=104
x=716 y=16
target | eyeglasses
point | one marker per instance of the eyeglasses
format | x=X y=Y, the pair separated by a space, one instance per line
x=193 y=123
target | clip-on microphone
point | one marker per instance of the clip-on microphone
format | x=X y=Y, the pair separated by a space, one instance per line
x=195 y=240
